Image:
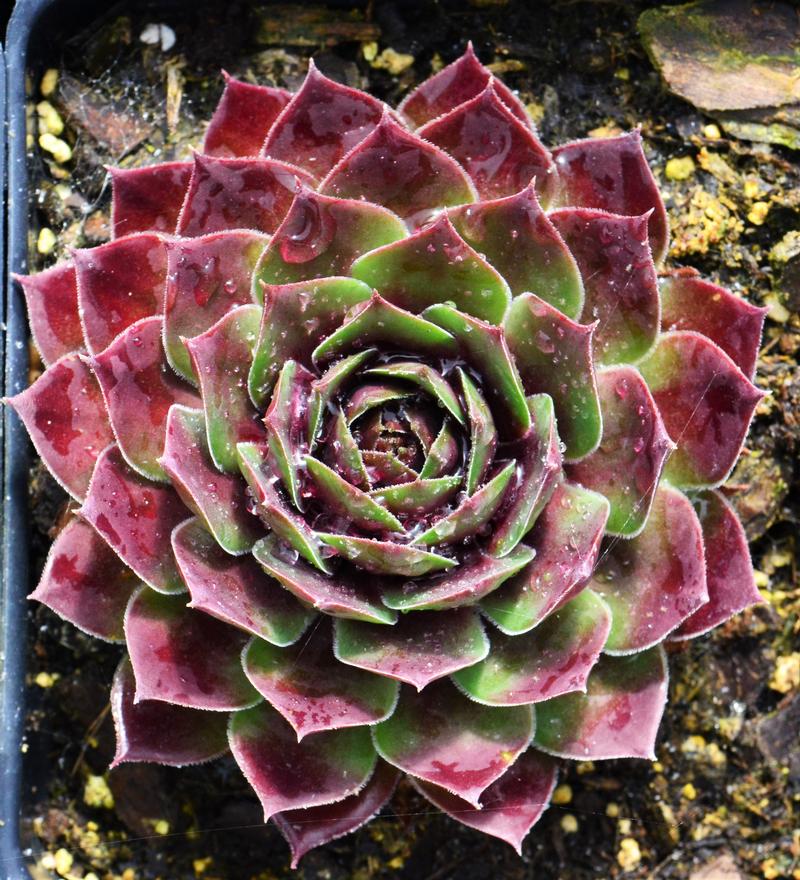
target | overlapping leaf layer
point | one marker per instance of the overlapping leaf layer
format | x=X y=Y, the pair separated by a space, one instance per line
x=394 y=450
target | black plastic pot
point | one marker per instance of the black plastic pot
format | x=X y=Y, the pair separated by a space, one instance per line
x=32 y=23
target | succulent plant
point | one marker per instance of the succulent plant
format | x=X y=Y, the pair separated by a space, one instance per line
x=394 y=449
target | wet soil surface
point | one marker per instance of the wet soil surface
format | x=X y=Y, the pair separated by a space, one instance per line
x=723 y=799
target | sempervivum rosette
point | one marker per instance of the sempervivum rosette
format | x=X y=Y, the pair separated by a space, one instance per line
x=383 y=467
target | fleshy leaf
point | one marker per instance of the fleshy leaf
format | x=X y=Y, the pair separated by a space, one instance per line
x=242 y=118
x=380 y=322
x=351 y=502
x=297 y=317
x=291 y=528
x=218 y=499
x=85 y=582
x=472 y=514
x=432 y=266
x=373 y=394
x=340 y=596
x=155 y=732
x=119 y=283
x=315 y=826
x=427 y=379
x=408 y=175
x=510 y=807
x=185 y=657
x=482 y=434
x=499 y=152
x=484 y=347
x=206 y=278
x=657 y=579
x=619 y=280
x=458 y=82
x=554 y=356
x=539 y=457
x=321 y=123
x=472 y=580
x=554 y=658
x=312 y=691
x=617 y=717
x=287 y=774
x=443 y=454
x=386 y=557
x=566 y=539
x=627 y=465
x=285 y=424
x=321 y=236
x=220 y=359
x=148 y=199
x=136 y=518
x=345 y=453
x=235 y=589
x=690 y=303
x=385 y=467
x=418 y=649
x=418 y=496
x=52 y=301
x=139 y=388
x=612 y=174
x=64 y=413
x=519 y=240
x=729 y=572
x=238 y=194
x=706 y=403
x=442 y=737
x=324 y=389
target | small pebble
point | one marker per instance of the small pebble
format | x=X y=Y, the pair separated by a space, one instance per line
x=49 y=82
x=758 y=213
x=569 y=824
x=629 y=854
x=562 y=795
x=679 y=168
x=158 y=35
x=59 y=149
x=44 y=245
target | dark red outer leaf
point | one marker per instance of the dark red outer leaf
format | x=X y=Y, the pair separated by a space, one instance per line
x=184 y=657
x=235 y=589
x=510 y=807
x=612 y=174
x=155 y=732
x=313 y=692
x=136 y=517
x=656 y=580
x=52 y=301
x=499 y=152
x=442 y=737
x=139 y=388
x=243 y=117
x=400 y=171
x=238 y=194
x=619 y=279
x=688 y=302
x=729 y=572
x=307 y=829
x=207 y=277
x=706 y=403
x=458 y=82
x=287 y=774
x=86 y=583
x=322 y=122
x=148 y=199
x=118 y=284
x=627 y=465
x=66 y=418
